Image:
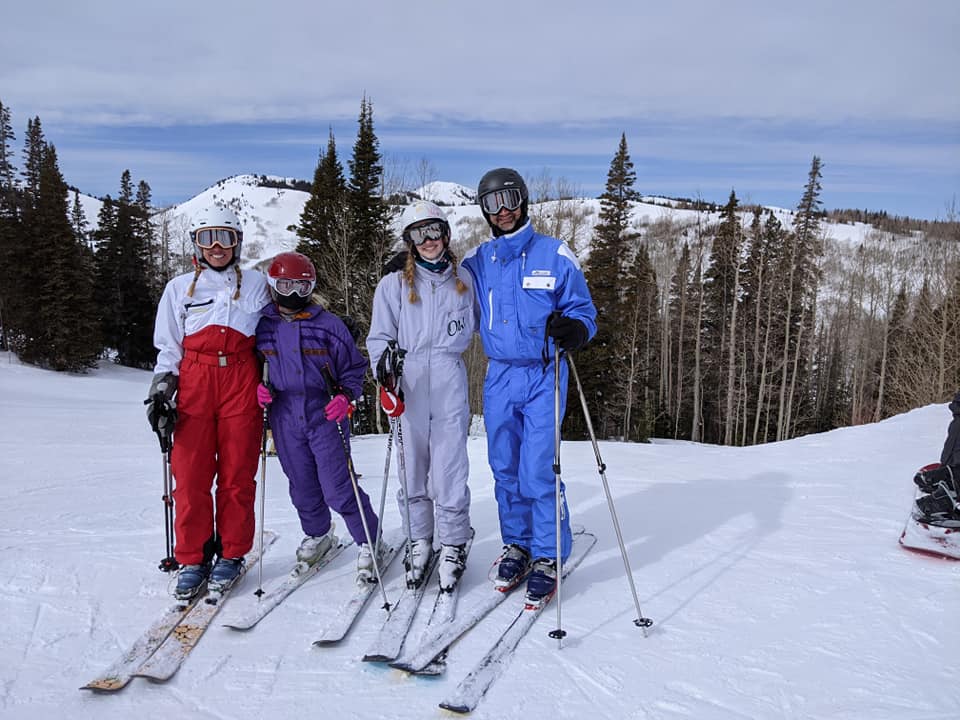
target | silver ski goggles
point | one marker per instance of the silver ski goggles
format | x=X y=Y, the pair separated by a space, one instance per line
x=225 y=237
x=291 y=286
x=431 y=231
x=509 y=198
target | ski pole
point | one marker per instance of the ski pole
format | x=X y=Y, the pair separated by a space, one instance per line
x=640 y=620
x=391 y=366
x=559 y=633
x=165 y=437
x=383 y=490
x=332 y=391
x=402 y=464
x=169 y=563
x=263 y=479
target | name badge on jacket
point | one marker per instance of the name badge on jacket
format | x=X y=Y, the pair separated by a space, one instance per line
x=539 y=282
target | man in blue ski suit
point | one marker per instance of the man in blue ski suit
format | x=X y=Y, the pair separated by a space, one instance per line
x=522 y=280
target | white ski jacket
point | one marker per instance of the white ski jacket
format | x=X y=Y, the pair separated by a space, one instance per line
x=434 y=331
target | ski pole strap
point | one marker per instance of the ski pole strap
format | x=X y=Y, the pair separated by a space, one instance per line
x=333 y=387
x=390 y=366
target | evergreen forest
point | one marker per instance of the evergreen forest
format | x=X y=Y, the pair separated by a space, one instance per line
x=724 y=325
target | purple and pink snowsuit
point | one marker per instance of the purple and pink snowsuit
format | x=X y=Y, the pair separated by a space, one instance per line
x=309 y=446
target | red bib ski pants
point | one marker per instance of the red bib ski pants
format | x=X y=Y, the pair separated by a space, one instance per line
x=217 y=435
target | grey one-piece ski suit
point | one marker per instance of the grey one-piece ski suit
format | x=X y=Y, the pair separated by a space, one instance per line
x=435 y=331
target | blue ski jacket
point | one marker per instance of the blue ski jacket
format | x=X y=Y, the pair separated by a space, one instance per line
x=520 y=279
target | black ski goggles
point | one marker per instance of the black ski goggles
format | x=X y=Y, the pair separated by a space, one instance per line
x=509 y=198
x=225 y=237
x=435 y=230
x=290 y=286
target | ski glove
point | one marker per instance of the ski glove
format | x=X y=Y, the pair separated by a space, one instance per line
x=391 y=402
x=162 y=408
x=264 y=395
x=568 y=333
x=390 y=365
x=338 y=409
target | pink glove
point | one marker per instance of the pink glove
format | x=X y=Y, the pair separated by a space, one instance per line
x=338 y=409
x=264 y=396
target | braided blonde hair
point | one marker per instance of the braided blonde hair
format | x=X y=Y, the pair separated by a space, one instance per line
x=408 y=275
x=196 y=276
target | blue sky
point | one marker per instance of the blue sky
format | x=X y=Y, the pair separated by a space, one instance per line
x=711 y=98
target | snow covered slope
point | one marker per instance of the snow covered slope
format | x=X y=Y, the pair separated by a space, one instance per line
x=772 y=573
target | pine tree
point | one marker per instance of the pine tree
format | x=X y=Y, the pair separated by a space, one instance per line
x=369 y=240
x=34 y=147
x=9 y=229
x=805 y=250
x=613 y=248
x=62 y=332
x=143 y=228
x=78 y=219
x=322 y=230
x=721 y=289
x=125 y=286
x=8 y=175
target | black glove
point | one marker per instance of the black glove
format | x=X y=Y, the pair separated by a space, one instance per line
x=390 y=366
x=568 y=333
x=162 y=408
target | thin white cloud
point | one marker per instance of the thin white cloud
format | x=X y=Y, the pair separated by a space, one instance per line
x=527 y=62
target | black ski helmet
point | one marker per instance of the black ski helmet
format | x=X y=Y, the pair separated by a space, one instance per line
x=501 y=179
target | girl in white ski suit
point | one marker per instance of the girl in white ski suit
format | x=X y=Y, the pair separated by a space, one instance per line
x=428 y=310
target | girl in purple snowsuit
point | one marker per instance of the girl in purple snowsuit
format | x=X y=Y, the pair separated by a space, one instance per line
x=300 y=340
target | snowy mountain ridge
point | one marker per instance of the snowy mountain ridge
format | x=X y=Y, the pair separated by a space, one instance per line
x=270 y=214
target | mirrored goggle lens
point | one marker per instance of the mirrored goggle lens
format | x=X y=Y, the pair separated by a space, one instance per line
x=289 y=286
x=222 y=236
x=433 y=231
x=510 y=198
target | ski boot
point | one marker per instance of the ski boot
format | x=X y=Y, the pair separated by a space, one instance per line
x=191 y=581
x=453 y=560
x=417 y=561
x=542 y=582
x=512 y=567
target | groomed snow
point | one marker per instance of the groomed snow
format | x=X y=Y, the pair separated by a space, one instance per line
x=772 y=573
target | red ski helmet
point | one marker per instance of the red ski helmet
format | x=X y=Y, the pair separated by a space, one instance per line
x=292 y=273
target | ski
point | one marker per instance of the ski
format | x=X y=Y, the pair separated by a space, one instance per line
x=254 y=611
x=923 y=536
x=443 y=612
x=167 y=659
x=386 y=646
x=480 y=604
x=347 y=614
x=474 y=686
x=118 y=675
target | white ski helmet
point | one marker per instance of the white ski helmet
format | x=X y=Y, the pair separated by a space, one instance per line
x=419 y=211
x=215 y=219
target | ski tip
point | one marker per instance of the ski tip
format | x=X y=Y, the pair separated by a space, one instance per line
x=238 y=628
x=105 y=685
x=460 y=709
x=376 y=658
